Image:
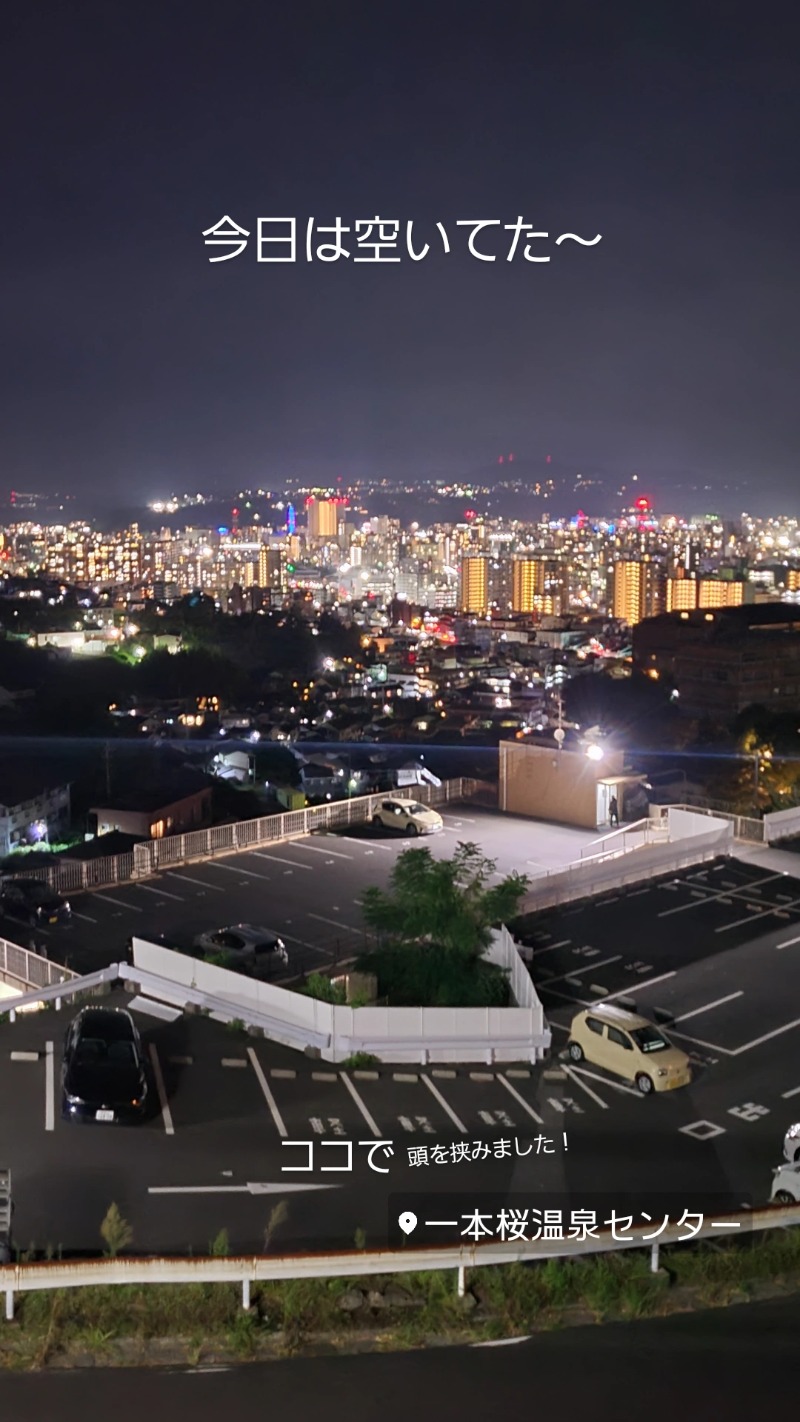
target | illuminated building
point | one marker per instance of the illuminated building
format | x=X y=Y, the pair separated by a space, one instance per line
x=636 y=590
x=473 y=584
x=322 y=517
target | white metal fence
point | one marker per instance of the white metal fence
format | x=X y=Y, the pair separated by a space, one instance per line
x=71 y=875
x=248 y=1270
x=21 y=965
x=585 y=879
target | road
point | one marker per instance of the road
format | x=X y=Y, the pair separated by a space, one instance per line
x=737 y=1363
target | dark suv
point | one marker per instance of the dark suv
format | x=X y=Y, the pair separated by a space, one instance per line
x=103 y=1075
x=33 y=901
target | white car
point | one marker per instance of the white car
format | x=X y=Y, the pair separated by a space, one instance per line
x=246 y=943
x=791 y=1144
x=407 y=816
x=786 y=1185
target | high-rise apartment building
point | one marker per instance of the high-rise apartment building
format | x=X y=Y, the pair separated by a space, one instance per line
x=636 y=590
x=322 y=516
x=537 y=586
x=473 y=584
x=685 y=594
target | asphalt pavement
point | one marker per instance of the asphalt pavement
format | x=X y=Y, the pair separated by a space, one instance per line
x=738 y=1363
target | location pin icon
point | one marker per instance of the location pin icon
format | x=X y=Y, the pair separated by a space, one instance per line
x=407 y=1222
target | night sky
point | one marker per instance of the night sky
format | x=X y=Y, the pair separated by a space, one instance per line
x=131 y=366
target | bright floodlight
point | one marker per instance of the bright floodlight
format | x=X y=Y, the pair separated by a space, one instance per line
x=595 y=752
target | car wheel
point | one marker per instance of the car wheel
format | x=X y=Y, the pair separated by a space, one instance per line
x=377 y=821
x=782 y=1197
x=644 y=1083
x=412 y=831
x=575 y=1052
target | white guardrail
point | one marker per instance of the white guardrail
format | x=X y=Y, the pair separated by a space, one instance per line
x=392 y=1034
x=248 y=1270
x=72 y=875
x=21 y=965
x=586 y=878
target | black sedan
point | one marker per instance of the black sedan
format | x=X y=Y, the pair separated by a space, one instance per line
x=33 y=901
x=103 y=1075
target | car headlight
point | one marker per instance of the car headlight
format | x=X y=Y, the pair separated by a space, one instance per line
x=662 y=1071
x=67 y=907
x=74 y=1100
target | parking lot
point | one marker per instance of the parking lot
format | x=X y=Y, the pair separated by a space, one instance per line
x=306 y=889
x=714 y=950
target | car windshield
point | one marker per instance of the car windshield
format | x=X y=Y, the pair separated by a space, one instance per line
x=36 y=891
x=416 y=809
x=649 y=1039
x=93 y=1049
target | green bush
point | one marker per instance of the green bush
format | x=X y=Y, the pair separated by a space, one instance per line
x=317 y=985
x=426 y=975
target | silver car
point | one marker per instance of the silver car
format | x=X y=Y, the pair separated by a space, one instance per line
x=785 y=1185
x=246 y=943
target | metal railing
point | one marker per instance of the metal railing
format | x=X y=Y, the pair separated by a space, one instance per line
x=72 y=875
x=24 y=966
x=744 y=826
x=246 y=1270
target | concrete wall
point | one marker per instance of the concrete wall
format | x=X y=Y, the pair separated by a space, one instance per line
x=547 y=784
x=782 y=824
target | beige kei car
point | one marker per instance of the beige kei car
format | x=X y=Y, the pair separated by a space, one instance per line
x=629 y=1046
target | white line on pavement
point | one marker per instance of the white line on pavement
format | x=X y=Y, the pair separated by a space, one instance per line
x=766 y=1038
x=756 y=917
x=203 y=883
x=49 y=1088
x=521 y=1099
x=84 y=916
x=795 y=1091
x=562 y=943
x=684 y=1017
x=162 y=893
x=268 y=1096
x=588 y=968
x=625 y=992
x=573 y=1076
x=732 y=890
x=434 y=1090
x=337 y=922
x=166 y=1114
x=314 y=947
x=790 y=942
x=315 y=849
x=462 y=819
x=359 y=1103
x=373 y=843
x=234 y=869
x=134 y=908
x=276 y=859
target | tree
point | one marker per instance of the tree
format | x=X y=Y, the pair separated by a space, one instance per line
x=446 y=903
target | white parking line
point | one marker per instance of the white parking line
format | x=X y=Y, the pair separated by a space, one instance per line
x=795 y=1091
x=434 y=1090
x=790 y=942
x=84 y=916
x=731 y=889
x=684 y=1017
x=166 y=1114
x=276 y=859
x=779 y=1031
x=234 y=869
x=625 y=992
x=134 y=908
x=337 y=922
x=521 y=1099
x=203 y=883
x=268 y=1096
x=462 y=819
x=562 y=943
x=315 y=849
x=359 y=1103
x=373 y=843
x=49 y=1088
x=588 y=968
x=755 y=917
x=162 y=893
x=573 y=1076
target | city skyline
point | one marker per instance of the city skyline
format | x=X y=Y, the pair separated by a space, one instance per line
x=134 y=363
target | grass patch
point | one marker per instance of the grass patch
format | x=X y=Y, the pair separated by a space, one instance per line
x=403 y=1310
